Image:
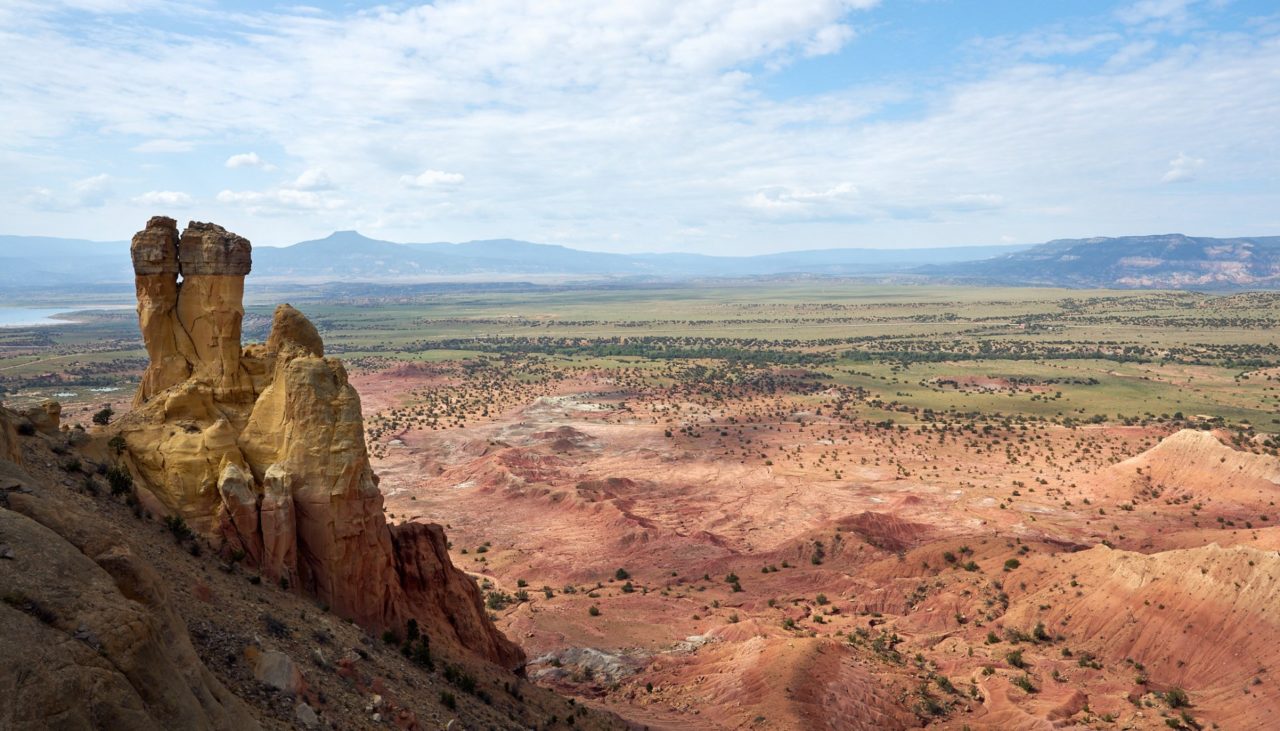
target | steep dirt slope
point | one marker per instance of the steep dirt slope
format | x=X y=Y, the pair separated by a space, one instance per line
x=1199 y=619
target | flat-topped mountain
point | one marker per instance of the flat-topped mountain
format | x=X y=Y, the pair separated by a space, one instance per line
x=1168 y=261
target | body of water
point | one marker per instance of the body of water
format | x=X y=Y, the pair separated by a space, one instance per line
x=29 y=316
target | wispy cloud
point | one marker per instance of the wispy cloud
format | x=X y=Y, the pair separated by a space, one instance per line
x=90 y=192
x=279 y=201
x=171 y=198
x=432 y=179
x=248 y=160
x=1182 y=169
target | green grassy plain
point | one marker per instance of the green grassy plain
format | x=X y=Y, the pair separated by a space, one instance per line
x=1047 y=353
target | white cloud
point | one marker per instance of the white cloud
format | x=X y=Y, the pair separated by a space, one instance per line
x=172 y=198
x=1131 y=52
x=1182 y=169
x=1148 y=10
x=249 y=160
x=1160 y=16
x=841 y=199
x=279 y=201
x=90 y=192
x=313 y=179
x=829 y=39
x=41 y=198
x=432 y=179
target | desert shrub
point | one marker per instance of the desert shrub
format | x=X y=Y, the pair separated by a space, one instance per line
x=1177 y=698
x=460 y=679
x=1024 y=681
x=275 y=627
x=178 y=527
x=1040 y=634
x=120 y=480
x=497 y=600
x=418 y=650
x=103 y=417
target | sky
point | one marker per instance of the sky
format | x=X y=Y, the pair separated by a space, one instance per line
x=712 y=126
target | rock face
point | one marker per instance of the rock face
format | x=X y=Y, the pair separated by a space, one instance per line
x=10 y=449
x=46 y=418
x=91 y=640
x=262 y=448
x=192 y=330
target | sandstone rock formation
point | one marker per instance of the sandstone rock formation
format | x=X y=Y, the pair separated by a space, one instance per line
x=192 y=328
x=46 y=418
x=9 y=447
x=262 y=448
x=91 y=640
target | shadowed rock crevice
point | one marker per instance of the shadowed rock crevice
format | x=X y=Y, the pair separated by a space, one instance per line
x=262 y=448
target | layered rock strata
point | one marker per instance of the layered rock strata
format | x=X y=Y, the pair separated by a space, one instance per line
x=262 y=449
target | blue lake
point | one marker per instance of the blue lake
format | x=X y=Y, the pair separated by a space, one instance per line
x=29 y=316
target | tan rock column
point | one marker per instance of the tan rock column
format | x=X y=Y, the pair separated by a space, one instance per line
x=155 y=267
x=214 y=263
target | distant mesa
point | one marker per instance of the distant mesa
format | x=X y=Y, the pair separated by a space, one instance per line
x=262 y=449
x=1168 y=261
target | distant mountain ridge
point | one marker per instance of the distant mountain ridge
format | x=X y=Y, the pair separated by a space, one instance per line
x=348 y=255
x=1168 y=261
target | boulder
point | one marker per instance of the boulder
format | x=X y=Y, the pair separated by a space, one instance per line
x=277 y=670
x=47 y=417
